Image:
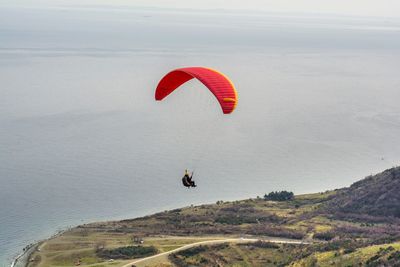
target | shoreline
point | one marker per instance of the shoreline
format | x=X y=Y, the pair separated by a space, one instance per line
x=27 y=251
x=22 y=259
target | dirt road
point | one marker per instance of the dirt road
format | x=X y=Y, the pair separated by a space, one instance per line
x=211 y=242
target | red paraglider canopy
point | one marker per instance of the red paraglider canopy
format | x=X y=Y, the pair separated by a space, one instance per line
x=216 y=82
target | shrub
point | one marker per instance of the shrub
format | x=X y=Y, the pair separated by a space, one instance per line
x=235 y=220
x=263 y=244
x=192 y=251
x=324 y=236
x=279 y=196
x=127 y=252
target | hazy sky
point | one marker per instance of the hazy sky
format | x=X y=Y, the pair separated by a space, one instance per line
x=344 y=7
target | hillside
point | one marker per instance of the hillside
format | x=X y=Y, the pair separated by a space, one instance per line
x=377 y=195
x=355 y=225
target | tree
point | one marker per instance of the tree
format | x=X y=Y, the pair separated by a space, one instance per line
x=279 y=196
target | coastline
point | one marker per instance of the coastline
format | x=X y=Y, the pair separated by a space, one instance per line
x=304 y=218
x=22 y=259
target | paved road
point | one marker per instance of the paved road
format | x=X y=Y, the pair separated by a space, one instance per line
x=213 y=242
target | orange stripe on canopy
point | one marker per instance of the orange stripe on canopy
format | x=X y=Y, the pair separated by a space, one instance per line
x=222 y=88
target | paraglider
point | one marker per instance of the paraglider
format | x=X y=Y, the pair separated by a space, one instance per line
x=218 y=84
x=187 y=180
x=222 y=88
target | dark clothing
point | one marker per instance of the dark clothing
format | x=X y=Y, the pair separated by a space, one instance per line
x=187 y=181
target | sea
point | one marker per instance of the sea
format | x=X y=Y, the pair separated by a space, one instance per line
x=83 y=140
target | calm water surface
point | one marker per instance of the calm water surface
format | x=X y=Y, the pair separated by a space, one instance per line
x=81 y=138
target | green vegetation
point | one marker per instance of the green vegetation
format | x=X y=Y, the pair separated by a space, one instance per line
x=129 y=252
x=279 y=196
x=247 y=254
x=267 y=254
x=378 y=255
x=327 y=236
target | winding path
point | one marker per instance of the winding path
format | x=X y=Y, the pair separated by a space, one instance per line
x=213 y=242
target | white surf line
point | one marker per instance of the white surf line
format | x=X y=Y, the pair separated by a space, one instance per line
x=28 y=249
x=216 y=241
x=14 y=262
x=22 y=254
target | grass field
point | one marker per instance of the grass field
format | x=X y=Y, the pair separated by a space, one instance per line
x=76 y=247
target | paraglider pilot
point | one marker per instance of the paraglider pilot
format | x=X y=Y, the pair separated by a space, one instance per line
x=187 y=180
